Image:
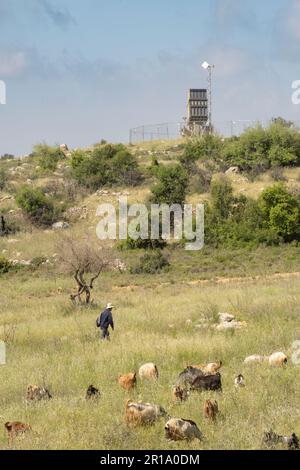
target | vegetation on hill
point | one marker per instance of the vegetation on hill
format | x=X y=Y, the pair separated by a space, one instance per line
x=256 y=149
x=105 y=164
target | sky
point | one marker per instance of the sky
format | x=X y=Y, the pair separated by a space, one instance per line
x=78 y=71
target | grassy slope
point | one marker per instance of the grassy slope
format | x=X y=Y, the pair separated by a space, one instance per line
x=58 y=347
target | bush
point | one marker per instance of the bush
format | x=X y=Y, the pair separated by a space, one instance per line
x=47 y=156
x=36 y=205
x=277 y=174
x=278 y=145
x=206 y=148
x=151 y=263
x=171 y=187
x=105 y=165
x=281 y=211
x=5 y=265
x=222 y=198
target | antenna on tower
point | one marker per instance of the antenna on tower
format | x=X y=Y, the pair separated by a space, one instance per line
x=209 y=69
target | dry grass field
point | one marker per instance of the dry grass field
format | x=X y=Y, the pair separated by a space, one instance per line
x=50 y=343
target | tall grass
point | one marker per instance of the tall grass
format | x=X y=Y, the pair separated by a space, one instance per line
x=58 y=346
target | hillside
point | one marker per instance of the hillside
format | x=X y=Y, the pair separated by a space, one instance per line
x=167 y=318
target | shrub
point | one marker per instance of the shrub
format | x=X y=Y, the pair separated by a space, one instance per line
x=171 y=187
x=278 y=145
x=151 y=263
x=5 y=265
x=200 y=181
x=281 y=211
x=207 y=147
x=222 y=198
x=47 y=156
x=277 y=174
x=36 y=205
x=105 y=165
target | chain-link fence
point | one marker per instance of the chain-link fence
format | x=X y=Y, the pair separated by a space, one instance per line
x=176 y=130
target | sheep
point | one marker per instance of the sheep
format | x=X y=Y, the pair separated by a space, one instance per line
x=148 y=371
x=278 y=359
x=142 y=414
x=255 y=358
x=178 y=429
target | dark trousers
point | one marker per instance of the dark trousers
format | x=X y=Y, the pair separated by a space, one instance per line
x=104 y=333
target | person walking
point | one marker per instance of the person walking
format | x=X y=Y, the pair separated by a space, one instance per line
x=105 y=320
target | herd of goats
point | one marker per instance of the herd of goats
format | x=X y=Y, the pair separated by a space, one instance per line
x=204 y=377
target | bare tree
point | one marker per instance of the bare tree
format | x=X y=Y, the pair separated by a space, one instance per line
x=86 y=261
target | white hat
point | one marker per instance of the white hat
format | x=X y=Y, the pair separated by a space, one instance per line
x=110 y=305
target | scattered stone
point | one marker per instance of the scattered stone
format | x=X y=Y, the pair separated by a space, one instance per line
x=60 y=225
x=6 y=198
x=119 y=265
x=226 y=317
x=232 y=325
x=64 y=147
x=21 y=262
x=233 y=170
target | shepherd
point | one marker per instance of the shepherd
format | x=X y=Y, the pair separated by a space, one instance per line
x=105 y=320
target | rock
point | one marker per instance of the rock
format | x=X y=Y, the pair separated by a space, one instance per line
x=6 y=198
x=21 y=262
x=60 y=225
x=233 y=170
x=255 y=358
x=64 y=147
x=226 y=317
x=119 y=265
x=232 y=325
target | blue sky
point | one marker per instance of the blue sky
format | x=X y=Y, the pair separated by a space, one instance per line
x=77 y=71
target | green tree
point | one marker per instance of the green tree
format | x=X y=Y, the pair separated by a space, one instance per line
x=171 y=186
x=222 y=198
x=105 y=165
x=281 y=211
x=39 y=208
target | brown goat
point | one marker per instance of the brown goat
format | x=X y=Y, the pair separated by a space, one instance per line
x=127 y=381
x=14 y=428
x=211 y=409
x=209 y=369
x=142 y=414
x=179 y=393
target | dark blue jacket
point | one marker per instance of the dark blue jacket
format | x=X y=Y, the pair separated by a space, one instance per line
x=106 y=319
